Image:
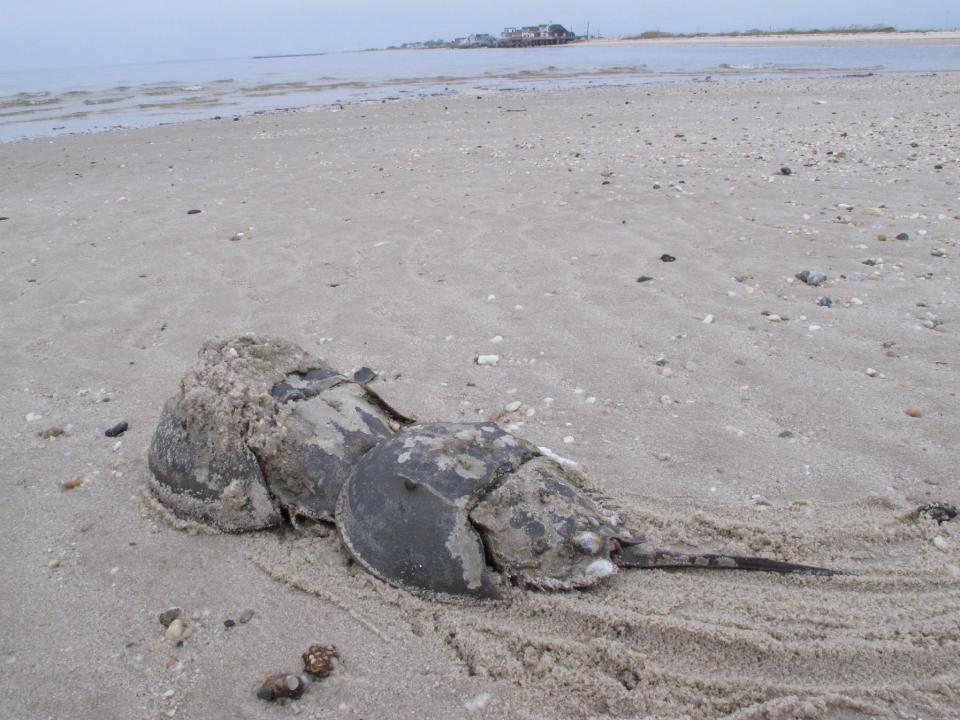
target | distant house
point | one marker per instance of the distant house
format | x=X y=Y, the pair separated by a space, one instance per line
x=549 y=34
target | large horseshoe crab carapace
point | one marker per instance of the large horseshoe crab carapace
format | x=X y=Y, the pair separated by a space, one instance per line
x=260 y=430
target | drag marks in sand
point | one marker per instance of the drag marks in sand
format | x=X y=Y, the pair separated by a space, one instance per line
x=881 y=641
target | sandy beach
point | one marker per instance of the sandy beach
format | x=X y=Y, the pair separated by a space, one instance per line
x=928 y=37
x=721 y=402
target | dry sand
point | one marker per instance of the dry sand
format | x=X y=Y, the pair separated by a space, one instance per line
x=406 y=236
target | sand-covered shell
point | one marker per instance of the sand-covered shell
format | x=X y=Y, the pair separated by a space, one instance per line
x=260 y=427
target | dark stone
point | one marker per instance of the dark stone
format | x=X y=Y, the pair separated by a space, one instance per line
x=4 y=218
x=903 y=236
x=667 y=258
x=169 y=615
x=117 y=430
x=786 y=434
x=939 y=511
x=364 y=375
x=812 y=277
x=825 y=302
x=938 y=166
x=229 y=624
x=786 y=171
x=644 y=278
x=281 y=686
x=194 y=212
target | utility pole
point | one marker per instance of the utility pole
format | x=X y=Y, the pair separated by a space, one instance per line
x=588 y=29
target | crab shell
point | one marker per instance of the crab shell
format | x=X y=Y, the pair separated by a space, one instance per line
x=261 y=427
x=460 y=509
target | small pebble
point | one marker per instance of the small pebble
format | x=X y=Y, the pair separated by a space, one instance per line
x=321 y=660
x=73 y=484
x=881 y=237
x=496 y=339
x=785 y=170
x=938 y=252
x=941 y=543
x=193 y=212
x=914 y=412
x=939 y=511
x=644 y=278
x=236 y=237
x=812 y=277
x=825 y=302
x=479 y=702
x=512 y=406
x=51 y=432
x=871 y=372
x=568 y=439
x=666 y=372
x=487 y=359
x=246 y=616
x=174 y=630
x=169 y=615
x=667 y=258
x=707 y=319
x=281 y=686
x=903 y=236
x=229 y=624
x=117 y=430
x=786 y=434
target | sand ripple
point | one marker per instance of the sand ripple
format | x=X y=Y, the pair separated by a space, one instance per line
x=882 y=641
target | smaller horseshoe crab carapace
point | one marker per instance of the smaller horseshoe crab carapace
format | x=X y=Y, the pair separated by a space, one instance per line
x=261 y=430
x=458 y=509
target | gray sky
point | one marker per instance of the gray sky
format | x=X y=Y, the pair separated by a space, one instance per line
x=65 y=33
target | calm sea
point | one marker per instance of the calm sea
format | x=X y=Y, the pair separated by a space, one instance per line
x=43 y=103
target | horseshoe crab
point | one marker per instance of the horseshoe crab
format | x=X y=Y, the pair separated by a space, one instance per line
x=261 y=430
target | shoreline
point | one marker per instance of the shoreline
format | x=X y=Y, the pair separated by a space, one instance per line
x=713 y=76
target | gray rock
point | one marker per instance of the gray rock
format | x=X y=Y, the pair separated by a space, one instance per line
x=812 y=277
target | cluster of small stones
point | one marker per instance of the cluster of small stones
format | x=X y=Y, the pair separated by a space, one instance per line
x=319 y=662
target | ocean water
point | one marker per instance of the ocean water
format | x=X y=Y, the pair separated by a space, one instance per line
x=43 y=103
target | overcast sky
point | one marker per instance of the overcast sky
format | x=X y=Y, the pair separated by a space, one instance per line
x=68 y=33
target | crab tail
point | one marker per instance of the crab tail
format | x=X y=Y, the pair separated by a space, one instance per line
x=636 y=557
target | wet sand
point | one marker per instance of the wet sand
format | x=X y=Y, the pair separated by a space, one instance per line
x=407 y=236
